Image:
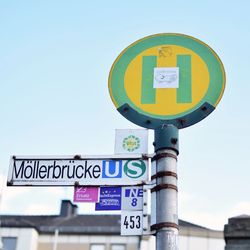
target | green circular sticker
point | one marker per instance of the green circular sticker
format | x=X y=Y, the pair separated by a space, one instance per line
x=167 y=79
x=131 y=143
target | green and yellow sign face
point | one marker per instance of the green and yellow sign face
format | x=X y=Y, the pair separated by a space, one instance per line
x=166 y=79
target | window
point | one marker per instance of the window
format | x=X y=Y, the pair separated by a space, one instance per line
x=118 y=247
x=9 y=243
x=97 y=247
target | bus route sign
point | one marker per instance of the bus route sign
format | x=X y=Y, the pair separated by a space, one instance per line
x=166 y=79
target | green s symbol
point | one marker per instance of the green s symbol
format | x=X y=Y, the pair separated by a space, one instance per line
x=134 y=168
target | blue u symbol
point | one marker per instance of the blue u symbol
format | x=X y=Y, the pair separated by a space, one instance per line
x=112 y=169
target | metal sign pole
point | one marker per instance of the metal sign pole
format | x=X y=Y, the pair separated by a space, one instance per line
x=166 y=149
x=154 y=88
x=155 y=82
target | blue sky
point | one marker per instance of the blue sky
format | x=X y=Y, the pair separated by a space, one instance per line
x=55 y=58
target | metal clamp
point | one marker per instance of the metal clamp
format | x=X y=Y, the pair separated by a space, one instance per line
x=163 y=155
x=161 y=225
x=164 y=186
x=163 y=174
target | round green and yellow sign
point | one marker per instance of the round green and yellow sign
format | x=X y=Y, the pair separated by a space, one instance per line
x=167 y=79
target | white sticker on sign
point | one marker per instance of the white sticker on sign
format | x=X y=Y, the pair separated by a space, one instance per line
x=131 y=141
x=132 y=198
x=131 y=223
x=166 y=77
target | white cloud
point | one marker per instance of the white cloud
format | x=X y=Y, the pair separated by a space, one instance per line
x=8 y=193
x=215 y=220
x=190 y=210
x=40 y=209
x=30 y=200
x=205 y=219
x=242 y=207
x=185 y=197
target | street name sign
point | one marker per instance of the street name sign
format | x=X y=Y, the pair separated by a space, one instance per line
x=77 y=170
x=166 y=79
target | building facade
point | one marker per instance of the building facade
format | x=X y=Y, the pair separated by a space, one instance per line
x=72 y=231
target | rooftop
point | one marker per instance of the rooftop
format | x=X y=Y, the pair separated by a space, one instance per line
x=69 y=222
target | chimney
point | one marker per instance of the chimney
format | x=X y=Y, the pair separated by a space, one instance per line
x=68 y=209
x=237 y=233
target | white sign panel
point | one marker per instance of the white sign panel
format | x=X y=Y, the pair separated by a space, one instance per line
x=153 y=208
x=132 y=198
x=166 y=77
x=71 y=171
x=131 y=223
x=153 y=172
x=131 y=141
